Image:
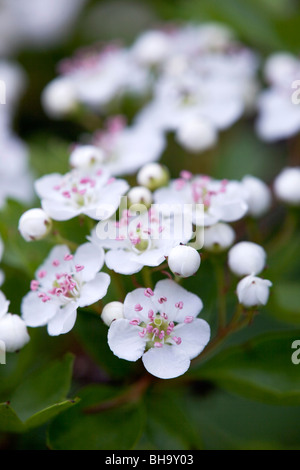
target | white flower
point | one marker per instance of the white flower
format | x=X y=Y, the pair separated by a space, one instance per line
x=151 y=47
x=111 y=312
x=141 y=240
x=218 y=237
x=253 y=291
x=15 y=177
x=85 y=157
x=222 y=200
x=258 y=196
x=279 y=115
x=153 y=176
x=197 y=135
x=246 y=258
x=13 y=331
x=287 y=186
x=63 y=283
x=1 y=254
x=59 y=98
x=34 y=224
x=139 y=196
x=184 y=261
x=161 y=327
x=93 y=194
x=126 y=149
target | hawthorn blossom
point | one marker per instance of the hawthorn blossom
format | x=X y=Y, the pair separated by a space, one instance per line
x=62 y=284
x=252 y=291
x=96 y=194
x=161 y=327
x=223 y=201
x=287 y=186
x=13 y=331
x=126 y=149
x=34 y=224
x=218 y=237
x=246 y=258
x=141 y=240
x=278 y=105
x=184 y=261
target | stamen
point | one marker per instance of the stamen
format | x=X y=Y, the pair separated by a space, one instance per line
x=188 y=319
x=149 y=292
x=138 y=308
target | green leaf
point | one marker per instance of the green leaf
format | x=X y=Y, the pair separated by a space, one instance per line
x=39 y=398
x=112 y=428
x=260 y=369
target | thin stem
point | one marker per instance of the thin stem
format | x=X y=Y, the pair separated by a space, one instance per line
x=59 y=239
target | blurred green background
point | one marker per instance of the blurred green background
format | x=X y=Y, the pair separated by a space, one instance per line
x=245 y=398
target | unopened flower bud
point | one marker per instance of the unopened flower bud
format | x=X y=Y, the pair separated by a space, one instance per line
x=246 y=258
x=112 y=311
x=258 y=196
x=13 y=332
x=218 y=237
x=253 y=291
x=184 y=261
x=34 y=224
x=287 y=186
x=86 y=156
x=151 y=48
x=59 y=98
x=153 y=176
x=139 y=198
x=197 y=135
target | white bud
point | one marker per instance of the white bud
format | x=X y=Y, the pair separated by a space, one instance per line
x=151 y=48
x=218 y=237
x=34 y=224
x=59 y=98
x=139 y=196
x=287 y=186
x=246 y=258
x=86 y=156
x=258 y=196
x=184 y=261
x=13 y=332
x=153 y=176
x=112 y=311
x=253 y=291
x=281 y=68
x=197 y=135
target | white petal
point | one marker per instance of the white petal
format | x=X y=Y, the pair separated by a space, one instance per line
x=122 y=261
x=194 y=336
x=167 y=362
x=58 y=211
x=4 y=304
x=13 y=332
x=91 y=257
x=94 y=290
x=64 y=320
x=138 y=297
x=46 y=184
x=175 y=293
x=153 y=257
x=35 y=312
x=124 y=340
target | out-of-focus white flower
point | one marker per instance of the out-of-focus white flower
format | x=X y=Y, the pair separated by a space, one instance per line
x=34 y=224
x=85 y=157
x=1 y=254
x=218 y=237
x=153 y=176
x=139 y=196
x=160 y=327
x=287 y=186
x=278 y=105
x=127 y=149
x=139 y=240
x=246 y=258
x=221 y=200
x=13 y=331
x=96 y=194
x=15 y=178
x=196 y=135
x=258 y=196
x=111 y=312
x=62 y=284
x=152 y=47
x=184 y=261
x=253 y=291
x=59 y=98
